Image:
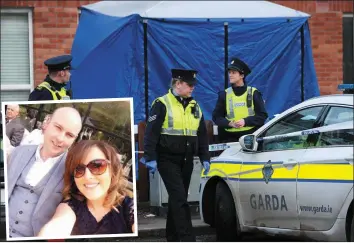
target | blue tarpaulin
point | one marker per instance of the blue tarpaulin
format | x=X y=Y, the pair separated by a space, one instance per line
x=108 y=54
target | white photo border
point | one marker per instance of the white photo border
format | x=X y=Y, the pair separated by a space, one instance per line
x=130 y=99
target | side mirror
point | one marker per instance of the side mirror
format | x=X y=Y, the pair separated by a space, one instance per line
x=248 y=142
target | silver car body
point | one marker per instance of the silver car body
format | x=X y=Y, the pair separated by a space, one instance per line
x=292 y=191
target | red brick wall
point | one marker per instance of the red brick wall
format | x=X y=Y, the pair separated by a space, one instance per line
x=54 y=27
x=326 y=37
x=55 y=24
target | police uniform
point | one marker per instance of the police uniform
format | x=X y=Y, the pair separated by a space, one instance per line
x=237 y=103
x=174 y=134
x=50 y=89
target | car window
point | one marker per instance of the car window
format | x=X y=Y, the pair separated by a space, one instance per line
x=297 y=121
x=338 y=115
x=344 y=137
x=294 y=142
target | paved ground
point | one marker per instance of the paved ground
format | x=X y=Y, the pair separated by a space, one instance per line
x=152 y=229
x=200 y=238
x=212 y=238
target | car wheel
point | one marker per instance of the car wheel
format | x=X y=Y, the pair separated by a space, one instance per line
x=225 y=214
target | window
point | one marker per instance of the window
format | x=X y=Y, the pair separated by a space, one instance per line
x=339 y=115
x=348 y=50
x=16 y=54
x=297 y=121
x=344 y=137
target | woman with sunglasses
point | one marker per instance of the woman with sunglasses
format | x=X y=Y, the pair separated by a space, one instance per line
x=95 y=194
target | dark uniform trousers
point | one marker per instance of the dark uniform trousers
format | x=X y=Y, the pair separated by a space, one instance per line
x=176 y=172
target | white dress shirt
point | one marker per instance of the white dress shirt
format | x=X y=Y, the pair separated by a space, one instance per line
x=40 y=168
x=34 y=138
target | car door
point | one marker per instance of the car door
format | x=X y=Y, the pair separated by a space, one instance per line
x=268 y=177
x=326 y=176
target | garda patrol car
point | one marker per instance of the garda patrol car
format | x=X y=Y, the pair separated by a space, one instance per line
x=293 y=176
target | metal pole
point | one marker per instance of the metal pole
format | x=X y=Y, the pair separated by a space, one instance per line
x=302 y=62
x=146 y=71
x=226 y=51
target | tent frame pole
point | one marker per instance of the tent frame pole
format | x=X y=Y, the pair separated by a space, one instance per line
x=302 y=62
x=146 y=71
x=226 y=53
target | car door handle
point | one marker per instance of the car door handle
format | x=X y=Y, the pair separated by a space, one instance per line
x=289 y=162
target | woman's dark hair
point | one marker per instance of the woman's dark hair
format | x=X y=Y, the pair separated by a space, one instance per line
x=118 y=189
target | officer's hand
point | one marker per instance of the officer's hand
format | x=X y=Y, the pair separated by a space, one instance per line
x=206 y=165
x=233 y=124
x=151 y=165
x=240 y=123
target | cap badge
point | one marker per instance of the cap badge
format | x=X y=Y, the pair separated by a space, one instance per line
x=232 y=62
x=194 y=75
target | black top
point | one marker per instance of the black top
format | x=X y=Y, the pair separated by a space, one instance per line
x=44 y=94
x=219 y=115
x=155 y=142
x=112 y=223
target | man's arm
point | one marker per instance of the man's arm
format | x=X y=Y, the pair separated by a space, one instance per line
x=261 y=114
x=16 y=161
x=203 y=142
x=62 y=223
x=219 y=112
x=153 y=130
x=17 y=134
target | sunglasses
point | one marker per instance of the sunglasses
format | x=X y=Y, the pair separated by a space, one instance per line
x=96 y=167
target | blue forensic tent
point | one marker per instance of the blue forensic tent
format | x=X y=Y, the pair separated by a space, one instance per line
x=127 y=48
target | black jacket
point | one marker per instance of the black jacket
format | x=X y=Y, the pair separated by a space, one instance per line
x=156 y=143
x=44 y=94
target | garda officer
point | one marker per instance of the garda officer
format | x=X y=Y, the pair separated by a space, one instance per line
x=53 y=87
x=175 y=133
x=239 y=109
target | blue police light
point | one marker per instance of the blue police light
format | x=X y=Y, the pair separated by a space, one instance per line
x=345 y=86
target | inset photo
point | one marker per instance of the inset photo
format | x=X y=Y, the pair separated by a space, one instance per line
x=69 y=169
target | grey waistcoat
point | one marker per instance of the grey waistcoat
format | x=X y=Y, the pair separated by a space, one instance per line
x=30 y=211
x=23 y=201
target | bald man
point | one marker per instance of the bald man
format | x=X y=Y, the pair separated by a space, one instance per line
x=35 y=174
x=14 y=126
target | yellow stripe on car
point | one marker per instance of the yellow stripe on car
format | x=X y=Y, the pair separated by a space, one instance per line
x=326 y=171
x=303 y=172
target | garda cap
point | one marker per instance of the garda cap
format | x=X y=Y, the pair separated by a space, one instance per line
x=240 y=66
x=188 y=76
x=59 y=63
